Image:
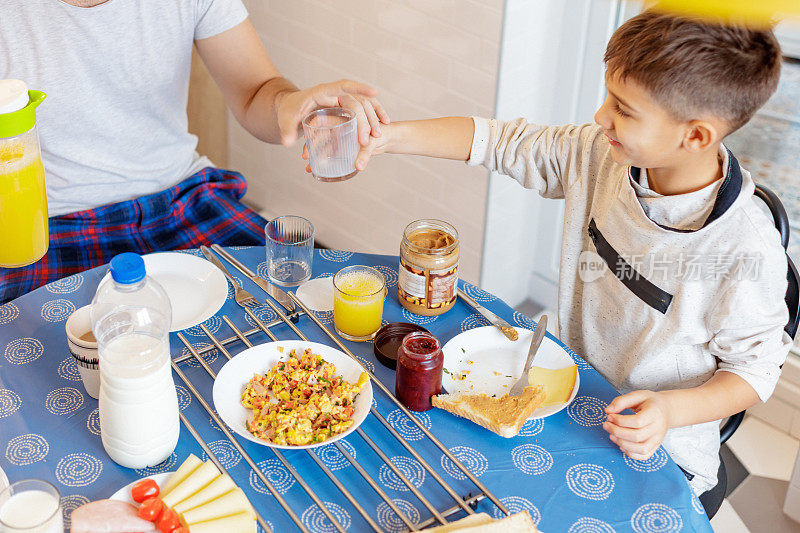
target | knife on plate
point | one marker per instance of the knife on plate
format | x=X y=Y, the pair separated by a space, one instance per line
x=496 y=321
x=279 y=295
x=536 y=341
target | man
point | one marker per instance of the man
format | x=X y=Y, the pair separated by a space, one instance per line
x=121 y=168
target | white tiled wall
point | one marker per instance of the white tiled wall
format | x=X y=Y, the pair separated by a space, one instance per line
x=427 y=58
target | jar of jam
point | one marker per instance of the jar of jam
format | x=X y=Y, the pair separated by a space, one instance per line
x=429 y=255
x=419 y=370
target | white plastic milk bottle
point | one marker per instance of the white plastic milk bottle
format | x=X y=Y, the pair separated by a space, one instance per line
x=131 y=317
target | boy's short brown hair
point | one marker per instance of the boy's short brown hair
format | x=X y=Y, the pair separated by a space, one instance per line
x=693 y=67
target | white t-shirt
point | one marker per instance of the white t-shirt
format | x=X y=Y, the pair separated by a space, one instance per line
x=114 y=124
x=662 y=308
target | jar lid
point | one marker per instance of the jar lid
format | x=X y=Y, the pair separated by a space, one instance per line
x=389 y=338
x=13 y=96
x=431 y=237
x=17 y=109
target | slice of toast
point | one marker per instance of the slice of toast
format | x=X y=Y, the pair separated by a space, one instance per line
x=482 y=523
x=504 y=415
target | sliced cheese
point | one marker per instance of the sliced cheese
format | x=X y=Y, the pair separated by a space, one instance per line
x=236 y=523
x=215 y=489
x=558 y=384
x=197 y=480
x=232 y=502
x=189 y=465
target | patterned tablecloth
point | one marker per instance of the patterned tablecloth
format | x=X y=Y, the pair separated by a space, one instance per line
x=563 y=470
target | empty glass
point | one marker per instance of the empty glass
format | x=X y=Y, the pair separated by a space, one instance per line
x=332 y=142
x=31 y=506
x=290 y=250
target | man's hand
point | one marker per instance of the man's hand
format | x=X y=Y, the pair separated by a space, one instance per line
x=638 y=435
x=293 y=106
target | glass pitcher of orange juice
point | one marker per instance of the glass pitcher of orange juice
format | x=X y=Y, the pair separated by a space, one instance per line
x=23 y=201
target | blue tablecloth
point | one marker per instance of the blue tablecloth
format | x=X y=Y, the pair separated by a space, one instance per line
x=563 y=470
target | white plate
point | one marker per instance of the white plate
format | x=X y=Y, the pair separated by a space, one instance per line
x=497 y=363
x=124 y=494
x=235 y=375
x=196 y=288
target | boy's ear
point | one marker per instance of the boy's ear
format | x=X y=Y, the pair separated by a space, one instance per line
x=700 y=135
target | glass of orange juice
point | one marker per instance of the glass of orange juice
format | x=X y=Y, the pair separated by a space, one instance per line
x=358 y=297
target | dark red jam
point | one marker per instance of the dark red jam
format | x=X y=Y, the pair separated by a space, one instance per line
x=419 y=370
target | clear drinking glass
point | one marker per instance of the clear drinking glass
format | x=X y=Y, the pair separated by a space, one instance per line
x=31 y=506
x=332 y=142
x=359 y=292
x=290 y=250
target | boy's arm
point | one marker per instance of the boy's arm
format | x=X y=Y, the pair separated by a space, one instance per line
x=445 y=138
x=639 y=435
x=545 y=158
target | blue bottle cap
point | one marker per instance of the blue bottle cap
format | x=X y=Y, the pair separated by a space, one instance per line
x=127 y=268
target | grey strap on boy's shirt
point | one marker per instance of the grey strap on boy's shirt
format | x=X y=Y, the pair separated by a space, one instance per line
x=727 y=190
x=694 y=326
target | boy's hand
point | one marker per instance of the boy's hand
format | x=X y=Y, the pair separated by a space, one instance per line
x=293 y=106
x=377 y=145
x=638 y=435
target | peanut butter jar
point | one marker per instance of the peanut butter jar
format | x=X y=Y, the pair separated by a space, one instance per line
x=429 y=255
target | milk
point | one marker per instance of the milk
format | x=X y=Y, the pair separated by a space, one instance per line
x=139 y=423
x=31 y=511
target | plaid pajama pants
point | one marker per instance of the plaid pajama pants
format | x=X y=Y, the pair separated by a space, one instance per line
x=202 y=209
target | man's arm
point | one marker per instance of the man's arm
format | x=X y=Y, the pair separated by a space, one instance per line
x=268 y=105
x=639 y=435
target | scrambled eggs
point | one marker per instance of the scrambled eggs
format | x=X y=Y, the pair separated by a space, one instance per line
x=300 y=401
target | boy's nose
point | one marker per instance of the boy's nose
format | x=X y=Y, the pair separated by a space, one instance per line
x=602 y=118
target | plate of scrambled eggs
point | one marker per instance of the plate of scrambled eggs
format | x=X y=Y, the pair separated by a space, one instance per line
x=292 y=394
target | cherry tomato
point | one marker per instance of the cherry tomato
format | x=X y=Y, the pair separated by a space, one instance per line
x=169 y=521
x=180 y=530
x=150 y=509
x=144 y=489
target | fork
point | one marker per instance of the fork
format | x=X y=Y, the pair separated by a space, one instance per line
x=242 y=297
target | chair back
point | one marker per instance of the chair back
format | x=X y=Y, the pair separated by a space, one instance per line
x=792 y=297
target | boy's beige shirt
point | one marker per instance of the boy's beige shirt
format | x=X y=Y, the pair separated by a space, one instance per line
x=725 y=318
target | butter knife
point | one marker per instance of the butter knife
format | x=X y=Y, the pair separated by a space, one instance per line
x=496 y=321
x=536 y=341
x=279 y=295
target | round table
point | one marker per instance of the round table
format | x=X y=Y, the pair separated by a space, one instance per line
x=563 y=469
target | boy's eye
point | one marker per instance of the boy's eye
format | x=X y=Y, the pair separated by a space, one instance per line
x=620 y=112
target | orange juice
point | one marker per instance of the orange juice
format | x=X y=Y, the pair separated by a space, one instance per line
x=23 y=206
x=358 y=302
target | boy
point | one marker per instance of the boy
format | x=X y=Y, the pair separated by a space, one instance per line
x=687 y=316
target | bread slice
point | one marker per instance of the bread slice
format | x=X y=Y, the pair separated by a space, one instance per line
x=482 y=523
x=473 y=520
x=505 y=415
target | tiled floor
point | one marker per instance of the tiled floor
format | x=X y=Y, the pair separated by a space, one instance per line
x=756 y=503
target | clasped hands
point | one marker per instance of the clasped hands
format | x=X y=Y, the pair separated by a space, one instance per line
x=638 y=435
